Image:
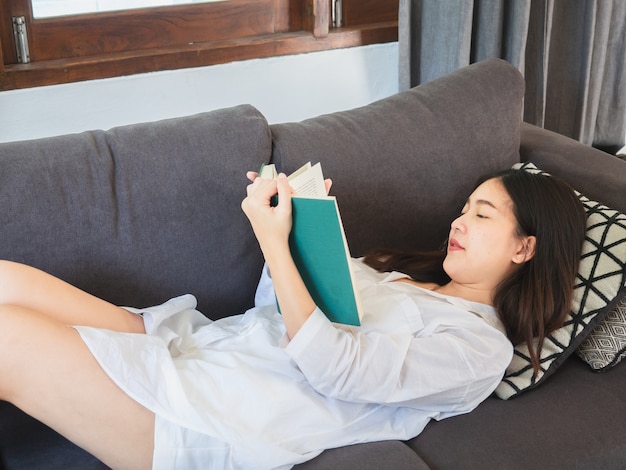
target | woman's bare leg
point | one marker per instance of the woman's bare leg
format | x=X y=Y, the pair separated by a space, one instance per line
x=47 y=371
x=36 y=290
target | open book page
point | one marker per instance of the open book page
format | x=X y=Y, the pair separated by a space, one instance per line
x=307 y=181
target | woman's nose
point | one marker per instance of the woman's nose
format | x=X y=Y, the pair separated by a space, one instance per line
x=458 y=223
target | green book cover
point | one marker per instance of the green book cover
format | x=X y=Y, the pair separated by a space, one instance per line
x=319 y=249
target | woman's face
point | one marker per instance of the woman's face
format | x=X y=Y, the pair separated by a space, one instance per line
x=484 y=246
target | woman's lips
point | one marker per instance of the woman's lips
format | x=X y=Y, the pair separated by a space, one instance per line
x=454 y=245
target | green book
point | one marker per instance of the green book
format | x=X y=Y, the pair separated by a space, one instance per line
x=319 y=248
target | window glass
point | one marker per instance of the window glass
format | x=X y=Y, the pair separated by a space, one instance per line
x=50 y=8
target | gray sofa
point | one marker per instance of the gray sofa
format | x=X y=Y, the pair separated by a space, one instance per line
x=142 y=213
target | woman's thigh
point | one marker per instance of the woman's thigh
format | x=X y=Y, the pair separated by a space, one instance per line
x=48 y=371
x=37 y=290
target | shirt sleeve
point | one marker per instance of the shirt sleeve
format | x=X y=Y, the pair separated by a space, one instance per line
x=451 y=369
x=264 y=294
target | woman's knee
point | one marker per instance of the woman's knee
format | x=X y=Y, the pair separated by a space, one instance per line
x=12 y=283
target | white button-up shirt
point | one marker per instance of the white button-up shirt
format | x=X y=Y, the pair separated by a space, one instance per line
x=235 y=393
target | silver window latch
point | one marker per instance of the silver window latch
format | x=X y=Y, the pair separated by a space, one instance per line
x=21 y=39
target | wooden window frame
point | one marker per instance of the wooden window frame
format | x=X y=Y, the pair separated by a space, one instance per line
x=103 y=45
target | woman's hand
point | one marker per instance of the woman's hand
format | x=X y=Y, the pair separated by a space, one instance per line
x=271 y=224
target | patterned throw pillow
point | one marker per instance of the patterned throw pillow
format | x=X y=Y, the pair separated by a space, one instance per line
x=606 y=344
x=601 y=282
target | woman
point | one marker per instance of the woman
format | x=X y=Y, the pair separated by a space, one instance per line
x=263 y=390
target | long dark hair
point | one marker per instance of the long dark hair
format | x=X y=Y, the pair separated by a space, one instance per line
x=536 y=298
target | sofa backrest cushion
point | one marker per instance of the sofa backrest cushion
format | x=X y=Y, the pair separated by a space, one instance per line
x=140 y=213
x=402 y=167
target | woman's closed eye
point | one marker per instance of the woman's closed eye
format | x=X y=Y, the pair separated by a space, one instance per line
x=479 y=215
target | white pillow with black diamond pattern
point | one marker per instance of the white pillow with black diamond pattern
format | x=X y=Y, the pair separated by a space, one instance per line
x=605 y=346
x=601 y=280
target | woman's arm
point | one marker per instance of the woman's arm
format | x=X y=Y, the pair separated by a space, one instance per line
x=453 y=369
x=272 y=226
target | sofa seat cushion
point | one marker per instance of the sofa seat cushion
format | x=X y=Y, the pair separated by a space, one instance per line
x=384 y=455
x=569 y=422
x=402 y=167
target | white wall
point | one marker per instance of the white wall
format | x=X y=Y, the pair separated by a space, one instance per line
x=284 y=89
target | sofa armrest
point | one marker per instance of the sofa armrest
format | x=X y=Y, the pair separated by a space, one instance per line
x=594 y=173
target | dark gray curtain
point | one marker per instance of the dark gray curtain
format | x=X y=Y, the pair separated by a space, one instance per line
x=572 y=54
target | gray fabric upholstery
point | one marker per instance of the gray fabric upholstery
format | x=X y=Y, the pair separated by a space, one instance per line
x=141 y=213
x=385 y=455
x=596 y=174
x=403 y=166
x=568 y=423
